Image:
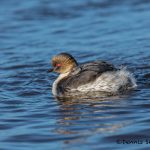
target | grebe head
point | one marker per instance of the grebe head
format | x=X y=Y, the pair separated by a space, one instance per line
x=63 y=63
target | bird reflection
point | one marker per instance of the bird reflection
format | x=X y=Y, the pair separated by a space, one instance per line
x=81 y=118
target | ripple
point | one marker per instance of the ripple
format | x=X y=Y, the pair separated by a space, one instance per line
x=29 y=93
x=37 y=138
x=147 y=76
x=42 y=11
x=5 y=126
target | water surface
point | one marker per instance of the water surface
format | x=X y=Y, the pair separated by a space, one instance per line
x=31 y=32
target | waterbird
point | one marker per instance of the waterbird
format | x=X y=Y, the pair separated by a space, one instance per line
x=96 y=76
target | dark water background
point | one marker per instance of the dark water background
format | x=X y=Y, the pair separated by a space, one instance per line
x=31 y=32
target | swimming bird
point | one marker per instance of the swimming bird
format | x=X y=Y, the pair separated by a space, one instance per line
x=96 y=76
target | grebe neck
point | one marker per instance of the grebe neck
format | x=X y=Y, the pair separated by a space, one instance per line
x=56 y=82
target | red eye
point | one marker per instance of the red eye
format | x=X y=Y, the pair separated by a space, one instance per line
x=58 y=65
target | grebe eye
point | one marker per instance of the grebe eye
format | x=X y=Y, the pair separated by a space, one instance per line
x=58 y=65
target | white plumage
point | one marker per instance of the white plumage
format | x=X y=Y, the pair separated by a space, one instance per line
x=111 y=82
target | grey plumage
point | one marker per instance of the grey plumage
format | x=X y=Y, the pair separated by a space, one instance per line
x=83 y=74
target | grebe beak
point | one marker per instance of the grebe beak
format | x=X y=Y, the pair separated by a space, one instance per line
x=50 y=70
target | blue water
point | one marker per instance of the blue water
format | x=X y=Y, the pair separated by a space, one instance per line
x=31 y=32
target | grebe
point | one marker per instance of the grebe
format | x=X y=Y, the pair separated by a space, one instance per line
x=96 y=76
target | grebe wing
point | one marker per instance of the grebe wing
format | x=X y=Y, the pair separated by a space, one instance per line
x=84 y=74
